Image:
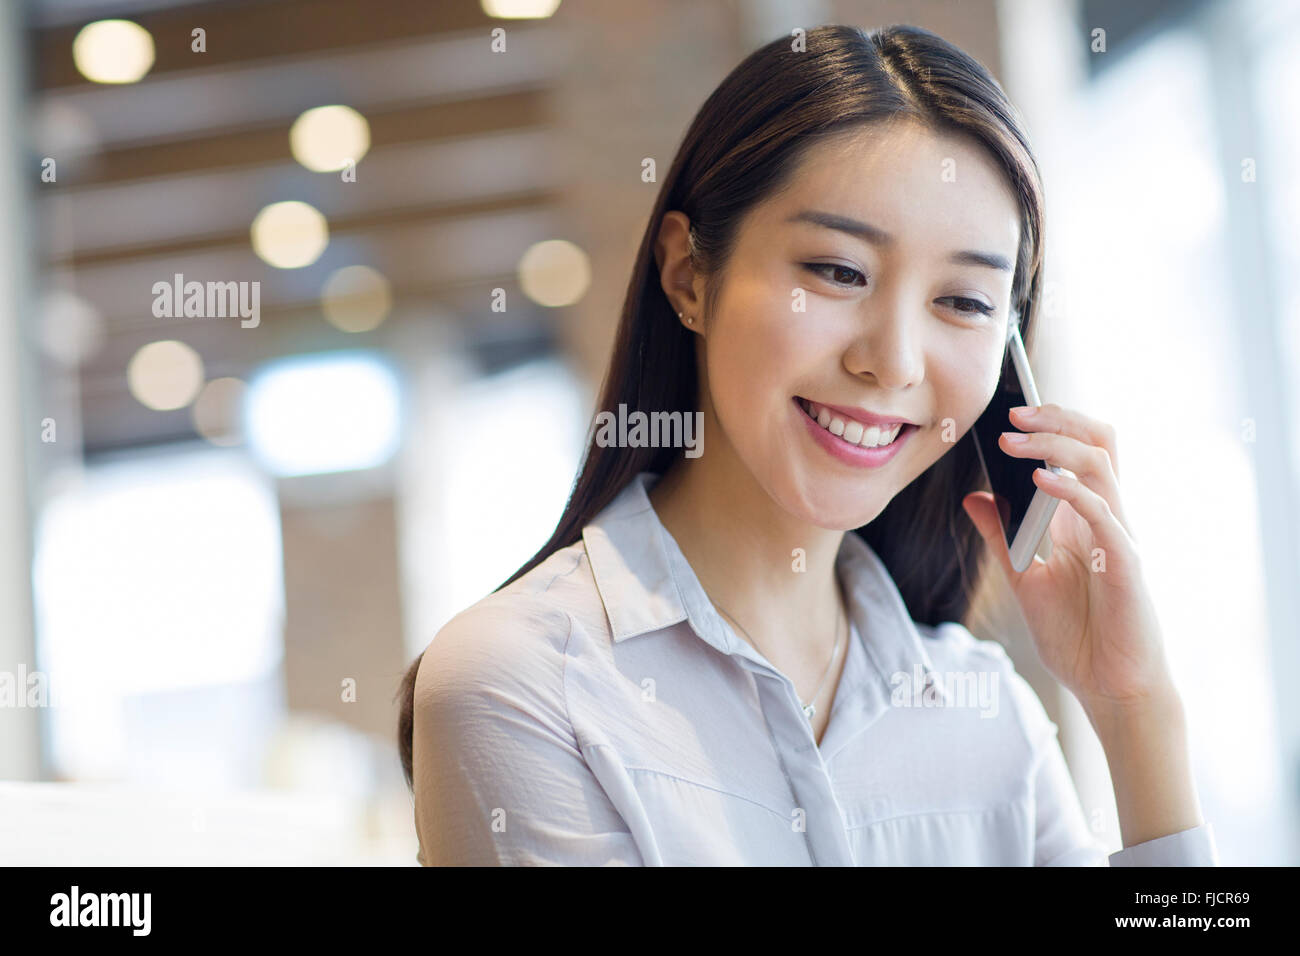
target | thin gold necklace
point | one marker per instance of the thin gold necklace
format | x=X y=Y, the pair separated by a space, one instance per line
x=810 y=708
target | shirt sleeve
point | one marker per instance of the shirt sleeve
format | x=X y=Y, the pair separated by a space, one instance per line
x=499 y=778
x=1192 y=847
x=1063 y=837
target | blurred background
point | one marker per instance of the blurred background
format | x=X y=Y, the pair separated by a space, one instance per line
x=303 y=309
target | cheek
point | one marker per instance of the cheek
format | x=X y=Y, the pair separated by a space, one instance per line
x=965 y=379
x=757 y=350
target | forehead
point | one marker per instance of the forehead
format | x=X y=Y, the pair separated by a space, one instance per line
x=922 y=186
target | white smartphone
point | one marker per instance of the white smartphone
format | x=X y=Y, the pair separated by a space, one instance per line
x=1025 y=510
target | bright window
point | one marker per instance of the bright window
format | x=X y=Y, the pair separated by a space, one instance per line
x=159 y=602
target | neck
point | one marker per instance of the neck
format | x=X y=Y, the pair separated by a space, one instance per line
x=772 y=573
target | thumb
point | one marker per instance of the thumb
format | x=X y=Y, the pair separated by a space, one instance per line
x=983 y=513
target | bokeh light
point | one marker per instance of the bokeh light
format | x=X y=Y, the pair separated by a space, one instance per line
x=165 y=375
x=71 y=329
x=554 y=273
x=113 y=51
x=290 y=234
x=325 y=138
x=520 y=9
x=217 y=413
x=356 y=298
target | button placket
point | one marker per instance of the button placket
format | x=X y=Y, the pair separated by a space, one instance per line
x=805 y=770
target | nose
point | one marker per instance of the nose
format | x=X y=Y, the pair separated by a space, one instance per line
x=889 y=346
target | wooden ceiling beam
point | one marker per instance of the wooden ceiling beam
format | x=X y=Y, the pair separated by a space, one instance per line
x=239 y=32
x=180 y=106
x=373 y=221
x=269 y=143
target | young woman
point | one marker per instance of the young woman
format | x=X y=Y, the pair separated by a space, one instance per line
x=755 y=655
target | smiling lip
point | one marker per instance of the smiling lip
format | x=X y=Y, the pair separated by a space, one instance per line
x=849 y=453
x=849 y=413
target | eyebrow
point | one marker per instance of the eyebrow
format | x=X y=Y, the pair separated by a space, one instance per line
x=878 y=237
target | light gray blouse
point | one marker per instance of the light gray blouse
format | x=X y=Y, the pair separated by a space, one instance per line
x=600 y=711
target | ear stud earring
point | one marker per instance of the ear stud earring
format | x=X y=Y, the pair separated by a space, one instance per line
x=689 y=320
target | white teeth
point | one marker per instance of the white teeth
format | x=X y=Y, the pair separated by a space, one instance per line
x=853 y=432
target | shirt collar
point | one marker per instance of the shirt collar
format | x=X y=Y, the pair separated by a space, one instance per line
x=646 y=585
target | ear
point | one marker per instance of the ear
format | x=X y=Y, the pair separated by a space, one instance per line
x=676 y=273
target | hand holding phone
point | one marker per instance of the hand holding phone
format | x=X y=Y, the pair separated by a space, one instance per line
x=1024 y=510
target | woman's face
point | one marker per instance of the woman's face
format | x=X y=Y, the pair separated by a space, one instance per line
x=894 y=320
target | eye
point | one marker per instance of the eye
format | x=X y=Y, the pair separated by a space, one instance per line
x=837 y=270
x=968 y=306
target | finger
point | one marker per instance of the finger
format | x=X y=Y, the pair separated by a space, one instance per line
x=1089 y=463
x=1067 y=421
x=1107 y=531
x=982 y=510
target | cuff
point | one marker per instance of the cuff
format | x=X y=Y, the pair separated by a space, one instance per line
x=1194 y=847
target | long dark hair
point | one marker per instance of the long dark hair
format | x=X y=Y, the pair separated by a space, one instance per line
x=740 y=148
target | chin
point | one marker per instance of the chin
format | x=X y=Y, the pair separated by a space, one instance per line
x=844 y=514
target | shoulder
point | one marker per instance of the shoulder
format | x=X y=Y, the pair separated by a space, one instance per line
x=511 y=640
x=956 y=645
x=955 y=650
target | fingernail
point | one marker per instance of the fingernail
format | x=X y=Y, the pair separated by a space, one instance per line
x=1014 y=436
x=1025 y=411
